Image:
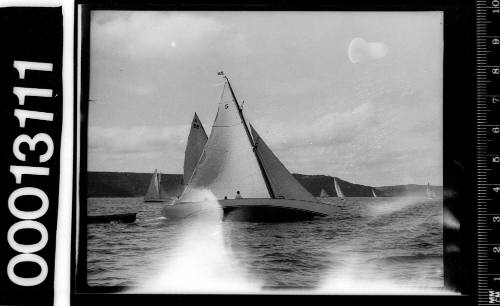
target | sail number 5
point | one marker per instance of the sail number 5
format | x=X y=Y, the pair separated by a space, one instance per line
x=29 y=144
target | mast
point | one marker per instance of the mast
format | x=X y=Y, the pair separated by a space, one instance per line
x=159 y=184
x=250 y=138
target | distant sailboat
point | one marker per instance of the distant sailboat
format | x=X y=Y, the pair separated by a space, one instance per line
x=154 y=192
x=196 y=142
x=323 y=194
x=374 y=194
x=428 y=192
x=236 y=159
x=339 y=192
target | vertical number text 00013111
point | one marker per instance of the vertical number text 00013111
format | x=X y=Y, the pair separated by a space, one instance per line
x=27 y=252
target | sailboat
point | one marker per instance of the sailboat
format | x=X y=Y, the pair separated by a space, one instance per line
x=196 y=142
x=374 y=194
x=339 y=192
x=238 y=169
x=154 y=192
x=428 y=192
x=323 y=194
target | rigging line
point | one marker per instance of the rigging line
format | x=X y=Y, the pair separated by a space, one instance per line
x=252 y=142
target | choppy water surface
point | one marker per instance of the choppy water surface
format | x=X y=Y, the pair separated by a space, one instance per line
x=372 y=245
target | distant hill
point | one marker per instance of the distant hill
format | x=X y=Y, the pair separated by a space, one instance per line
x=314 y=183
x=409 y=190
x=129 y=184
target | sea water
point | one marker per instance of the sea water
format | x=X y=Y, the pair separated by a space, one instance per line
x=389 y=245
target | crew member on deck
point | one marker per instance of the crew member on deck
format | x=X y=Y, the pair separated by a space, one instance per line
x=238 y=195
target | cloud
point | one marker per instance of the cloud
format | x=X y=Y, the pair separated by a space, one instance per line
x=351 y=144
x=137 y=139
x=356 y=143
x=137 y=149
x=355 y=120
x=330 y=129
x=146 y=35
x=294 y=141
x=135 y=87
x=360 y=50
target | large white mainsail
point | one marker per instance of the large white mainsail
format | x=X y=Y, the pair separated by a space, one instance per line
x=228 y=163
x=153 y=193
x=339 y=192
x=283 y=184
x=196 y=142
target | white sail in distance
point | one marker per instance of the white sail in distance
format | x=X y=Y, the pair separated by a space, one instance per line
x=323 y=193
x=228 y=163
x=429 y=193
x=196 y=142
x=154 y=190
x=374 y=194
x=339 y=192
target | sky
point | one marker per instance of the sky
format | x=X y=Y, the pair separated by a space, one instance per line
x=357 y=95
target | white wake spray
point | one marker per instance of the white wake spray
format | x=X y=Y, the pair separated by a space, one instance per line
x=359 y=276
x=200 y=262
x=393 y=205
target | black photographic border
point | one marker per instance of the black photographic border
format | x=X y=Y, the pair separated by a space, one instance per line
x=458 y=150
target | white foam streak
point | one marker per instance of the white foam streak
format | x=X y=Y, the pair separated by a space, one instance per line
x=200 y=263
x=394 y=205
x=358 y=277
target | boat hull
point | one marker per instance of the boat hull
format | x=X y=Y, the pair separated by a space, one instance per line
x=156 y=200
x=259 y=210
